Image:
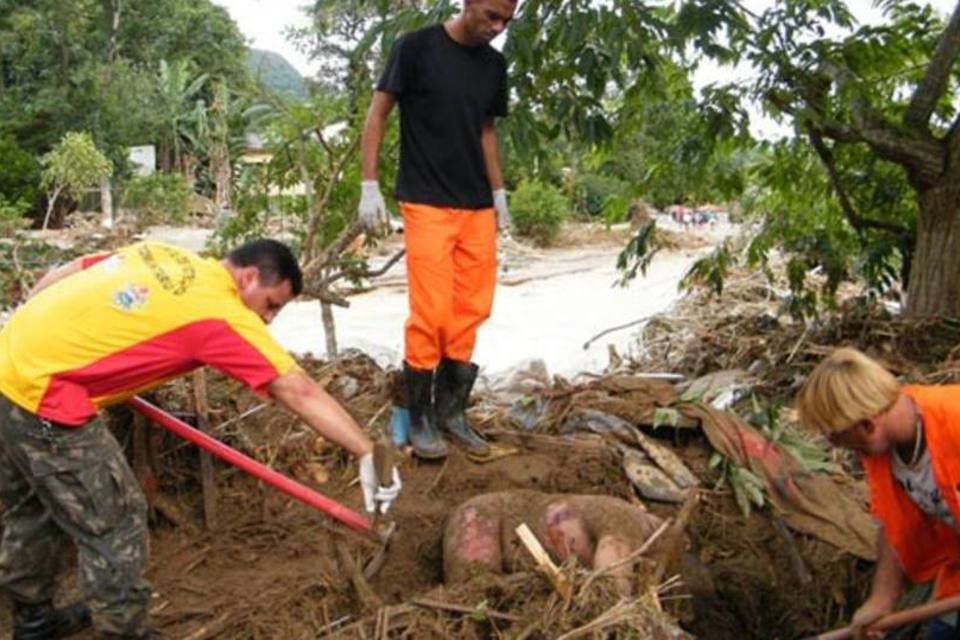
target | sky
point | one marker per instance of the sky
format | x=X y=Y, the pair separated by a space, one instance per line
x=264 y=22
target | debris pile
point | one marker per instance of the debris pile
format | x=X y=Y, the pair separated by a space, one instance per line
x=279 y=570
x=744 y=328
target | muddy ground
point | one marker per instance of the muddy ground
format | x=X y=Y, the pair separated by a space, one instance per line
x=269 y=568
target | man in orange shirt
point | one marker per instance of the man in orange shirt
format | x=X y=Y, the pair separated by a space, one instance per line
x=909 y=441
x=93 y=333
x=450 y=85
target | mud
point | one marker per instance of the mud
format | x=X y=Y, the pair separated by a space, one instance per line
x=270 y=568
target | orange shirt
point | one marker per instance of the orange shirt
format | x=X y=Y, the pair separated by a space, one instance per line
x=130 y=321
x=925 y=546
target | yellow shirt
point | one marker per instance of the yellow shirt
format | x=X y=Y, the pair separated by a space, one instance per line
x=129 y=321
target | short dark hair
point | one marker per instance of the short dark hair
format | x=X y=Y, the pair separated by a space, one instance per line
x=274 y=260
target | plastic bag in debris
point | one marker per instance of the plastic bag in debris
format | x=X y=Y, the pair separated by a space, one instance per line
x=720 y=389
x=527 y=411
x=525 y=379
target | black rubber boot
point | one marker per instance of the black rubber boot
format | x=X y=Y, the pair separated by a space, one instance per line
x=424 y=436
x=453 y=385
x=43 y=622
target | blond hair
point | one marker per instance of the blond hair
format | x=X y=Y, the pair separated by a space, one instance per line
x=843 y=389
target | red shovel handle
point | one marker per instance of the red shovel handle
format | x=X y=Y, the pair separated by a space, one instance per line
x=307 y=496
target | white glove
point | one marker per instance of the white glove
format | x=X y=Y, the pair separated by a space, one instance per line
x=372 y=211
x=373 y=493
x=503 y=213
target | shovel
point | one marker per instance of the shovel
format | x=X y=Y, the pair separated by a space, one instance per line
x=378 y=532
x=898 y=618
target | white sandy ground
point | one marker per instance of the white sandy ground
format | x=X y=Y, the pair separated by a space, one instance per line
x=550 y=317
x=548 y=303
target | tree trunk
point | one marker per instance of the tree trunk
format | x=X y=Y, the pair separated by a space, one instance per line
x=111 y=12
x=329 y=329
x=934 y=287
x=314 y=217
x=188 y=168
x=50 y=205
x=106 y=204
x=164 y=154
x=220 y=167
x=219 y=149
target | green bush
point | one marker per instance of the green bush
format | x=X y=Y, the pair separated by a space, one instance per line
x=157 y=198
x=19 y=174
x=595 y=190
x=12 y=215
x=538 y=210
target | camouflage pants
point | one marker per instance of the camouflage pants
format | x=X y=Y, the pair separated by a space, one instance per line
x=57 y=484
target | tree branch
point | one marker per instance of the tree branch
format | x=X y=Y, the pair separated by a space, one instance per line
x=857 y=221
x=321 y=205
x=920 y=153
x=367 y=273
x=923 y=159
x=313 y=270
x=934 y=82
x=323 y=142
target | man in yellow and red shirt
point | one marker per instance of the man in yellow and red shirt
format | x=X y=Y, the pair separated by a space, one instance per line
x=93 y=333
x=909 y=442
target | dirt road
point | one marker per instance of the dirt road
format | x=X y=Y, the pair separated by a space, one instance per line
x=548 y=304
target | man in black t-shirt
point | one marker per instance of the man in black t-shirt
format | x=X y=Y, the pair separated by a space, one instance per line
x=450 y=85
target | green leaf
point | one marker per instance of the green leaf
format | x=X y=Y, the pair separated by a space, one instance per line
x=665 y=415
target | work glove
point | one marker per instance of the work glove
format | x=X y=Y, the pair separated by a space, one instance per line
x=503 y=212
x=373 y=492
x=372 y=211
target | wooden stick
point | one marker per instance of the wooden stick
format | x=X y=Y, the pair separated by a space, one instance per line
x=210 y=630
x=559 y=581
x=897 y=619
x=459 y=608
x=368 y=598
x=141 y=460
x=614 y=614
x=386 y=405
x=207 y=484
x=436 y=480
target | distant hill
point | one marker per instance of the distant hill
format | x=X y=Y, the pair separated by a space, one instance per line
x=273 y=71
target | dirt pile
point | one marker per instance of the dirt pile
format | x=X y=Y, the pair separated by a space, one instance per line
x=270 y=568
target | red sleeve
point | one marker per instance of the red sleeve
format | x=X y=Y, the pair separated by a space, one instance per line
x=229 y=351
x=91 y=259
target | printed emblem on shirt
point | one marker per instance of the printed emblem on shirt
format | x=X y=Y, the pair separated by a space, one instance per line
x=132 y=296
x=176 y=286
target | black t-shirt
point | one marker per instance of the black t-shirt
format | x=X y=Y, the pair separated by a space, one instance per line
x=446 y=91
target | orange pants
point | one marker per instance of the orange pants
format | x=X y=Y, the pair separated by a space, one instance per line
x=451 y=275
